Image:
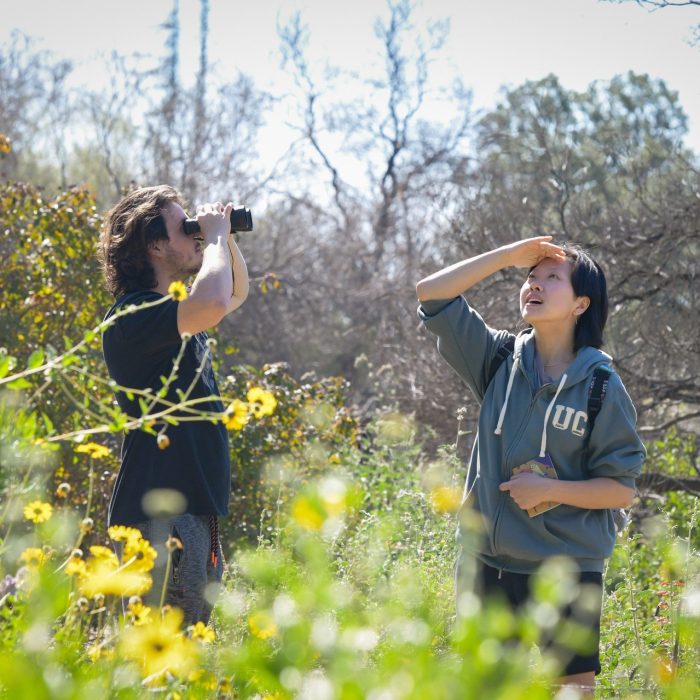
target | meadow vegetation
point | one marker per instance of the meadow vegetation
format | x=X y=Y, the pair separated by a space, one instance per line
x=348 y=437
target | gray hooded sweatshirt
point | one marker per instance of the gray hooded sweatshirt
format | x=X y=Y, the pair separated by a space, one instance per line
x=519 y=421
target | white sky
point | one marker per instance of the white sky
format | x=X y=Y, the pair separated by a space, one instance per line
x=491 y=42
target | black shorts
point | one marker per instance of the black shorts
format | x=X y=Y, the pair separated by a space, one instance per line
x=515 y=588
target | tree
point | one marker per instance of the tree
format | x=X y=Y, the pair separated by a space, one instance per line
x=345 y=254
x=35 y=109
x=202 y=140
x=654 y=5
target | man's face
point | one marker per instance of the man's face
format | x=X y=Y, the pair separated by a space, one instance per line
x=182 y=254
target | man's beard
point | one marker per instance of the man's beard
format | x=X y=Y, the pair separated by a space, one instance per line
x=180 y=267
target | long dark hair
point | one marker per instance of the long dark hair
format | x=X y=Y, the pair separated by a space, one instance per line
x=588 y=280
x=128 y=229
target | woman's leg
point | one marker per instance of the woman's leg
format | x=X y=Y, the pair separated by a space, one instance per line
x=583 y=682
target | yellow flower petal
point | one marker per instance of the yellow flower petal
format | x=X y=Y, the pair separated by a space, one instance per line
x=38 y=511
x=178 y=291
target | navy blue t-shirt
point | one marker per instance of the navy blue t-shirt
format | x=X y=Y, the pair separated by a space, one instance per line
x=139 y=348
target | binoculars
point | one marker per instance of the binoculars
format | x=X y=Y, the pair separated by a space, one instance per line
x=241 y=220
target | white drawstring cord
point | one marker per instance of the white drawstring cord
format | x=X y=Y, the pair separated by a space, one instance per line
x=543 y=444
x=505 y=403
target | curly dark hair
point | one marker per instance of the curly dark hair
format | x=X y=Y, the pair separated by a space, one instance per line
x=128 y=228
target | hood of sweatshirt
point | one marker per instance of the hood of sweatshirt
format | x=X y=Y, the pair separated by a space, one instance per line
x=581 y=369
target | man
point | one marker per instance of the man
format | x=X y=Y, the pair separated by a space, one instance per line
x=178 y=483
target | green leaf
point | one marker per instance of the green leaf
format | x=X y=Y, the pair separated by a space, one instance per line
x=20 y=383
x=49 y=424
x=143 y=406
x=120 y=420
x=69 y=360
x=36 y=359
x=6 y=363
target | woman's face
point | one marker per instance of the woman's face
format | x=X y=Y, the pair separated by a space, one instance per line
x=548 y=297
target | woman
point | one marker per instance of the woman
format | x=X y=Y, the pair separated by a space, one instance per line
x=543 y=482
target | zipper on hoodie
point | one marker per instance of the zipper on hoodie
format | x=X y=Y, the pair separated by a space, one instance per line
x=514 y=443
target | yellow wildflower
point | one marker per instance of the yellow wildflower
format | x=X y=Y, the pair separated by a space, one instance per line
x=122 y=533
x=94 y=450
x=5 y=144
x=236 y=415
x=159 y=646
x=140 y=614
x=178 y=291
x=204 y=678
x=262 y=403
x=262 y=625
x=446 y=499
x=76 y=565
x=202 y=633
x=97 y=652
x=33 y=557
x=142 y=554
x=104 y=554
x=38 y=511
x=103 y=575
x=307 y=514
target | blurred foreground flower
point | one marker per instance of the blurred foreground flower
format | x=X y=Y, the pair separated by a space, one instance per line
x=262 y=625
x=236 y=415
x=159 y=646
x=139 y=613
x=262 y=403
x=33 y=557
x=307 y=514
x=38 y=511
x=202 y=633
x=75 y=566
x=178 y=291
x=5 y=144
x=446 y=499
x=103 y=573
x=94 y=450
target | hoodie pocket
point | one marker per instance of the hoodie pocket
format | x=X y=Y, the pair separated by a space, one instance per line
x=587 y=534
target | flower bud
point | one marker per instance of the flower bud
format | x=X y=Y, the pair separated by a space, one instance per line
x=173 y=543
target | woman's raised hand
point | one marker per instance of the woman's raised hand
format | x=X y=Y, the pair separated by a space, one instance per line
x=531 y=251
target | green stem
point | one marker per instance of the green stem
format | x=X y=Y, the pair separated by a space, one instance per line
x=633 y=600
x=164 y=588
x=677 y=608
